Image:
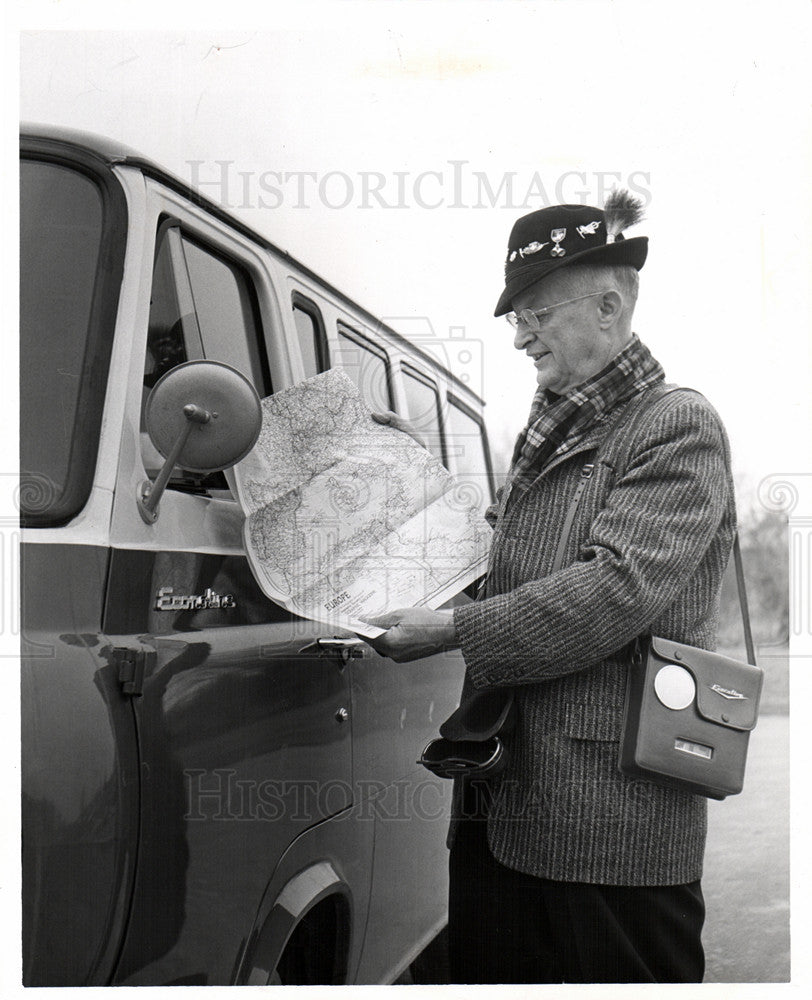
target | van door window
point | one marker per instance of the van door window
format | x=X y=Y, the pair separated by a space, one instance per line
x=310 y=331
x=423 y=404
x=368 y=367
x=173 y=335
x=469 y=449
x=202 y=306
x=227 y=314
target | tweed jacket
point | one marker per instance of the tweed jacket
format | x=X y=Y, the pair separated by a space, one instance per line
x=646 y=555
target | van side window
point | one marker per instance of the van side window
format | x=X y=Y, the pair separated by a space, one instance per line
x=201 y=306
x=423 y=404
x=469 y=449
x=310 y=331
x=173 y=335
x=71 y=258
x=368 y=367
x=227 y=314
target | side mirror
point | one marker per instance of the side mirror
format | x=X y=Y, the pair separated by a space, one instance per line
x=203 y=415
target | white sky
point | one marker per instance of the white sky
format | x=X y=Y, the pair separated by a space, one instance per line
x=704 y=112
x=705 y=107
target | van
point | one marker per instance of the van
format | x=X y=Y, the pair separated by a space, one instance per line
x=214 y=791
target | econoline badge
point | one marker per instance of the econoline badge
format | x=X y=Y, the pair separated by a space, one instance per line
x=167 y=601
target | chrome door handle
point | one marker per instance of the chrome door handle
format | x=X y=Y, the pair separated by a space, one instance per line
x=345 y=648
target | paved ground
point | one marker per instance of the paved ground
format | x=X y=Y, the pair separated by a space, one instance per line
x=746 y=882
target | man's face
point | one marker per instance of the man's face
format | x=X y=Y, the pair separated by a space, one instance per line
x=570 y=345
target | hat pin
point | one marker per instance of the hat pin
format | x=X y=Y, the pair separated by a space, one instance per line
x=557 y=235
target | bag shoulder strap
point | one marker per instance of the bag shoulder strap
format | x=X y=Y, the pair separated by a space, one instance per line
x=643 y=406
x=586 y=475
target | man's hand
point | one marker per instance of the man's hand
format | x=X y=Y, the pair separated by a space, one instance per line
x=392 y=419
x=413 y=633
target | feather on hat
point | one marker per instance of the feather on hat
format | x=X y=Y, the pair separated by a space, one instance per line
x=621 y=211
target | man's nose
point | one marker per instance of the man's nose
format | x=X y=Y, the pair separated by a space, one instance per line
x=522 y=337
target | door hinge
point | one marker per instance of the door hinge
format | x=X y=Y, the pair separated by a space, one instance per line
x=132 y=664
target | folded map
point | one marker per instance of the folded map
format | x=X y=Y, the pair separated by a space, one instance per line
x=347 y=519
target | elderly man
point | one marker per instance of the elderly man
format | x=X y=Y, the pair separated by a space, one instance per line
x=563 y=869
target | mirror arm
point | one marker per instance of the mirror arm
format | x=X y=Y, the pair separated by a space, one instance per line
x=151 y=493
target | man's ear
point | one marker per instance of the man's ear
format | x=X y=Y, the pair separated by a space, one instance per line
x=610 y=308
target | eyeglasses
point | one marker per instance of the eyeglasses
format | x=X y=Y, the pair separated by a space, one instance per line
x=529 y=318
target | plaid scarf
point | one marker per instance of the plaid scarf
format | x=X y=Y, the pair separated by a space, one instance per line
x=557 y=424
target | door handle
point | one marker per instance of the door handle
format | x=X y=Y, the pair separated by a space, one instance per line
x=345 y=648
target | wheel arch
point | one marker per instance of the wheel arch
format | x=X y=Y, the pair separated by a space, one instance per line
x=316 y=898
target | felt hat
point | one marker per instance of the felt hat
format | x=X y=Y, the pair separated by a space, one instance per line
x=554 y=237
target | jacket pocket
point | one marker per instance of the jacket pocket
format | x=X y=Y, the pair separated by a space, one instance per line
x=593 y=722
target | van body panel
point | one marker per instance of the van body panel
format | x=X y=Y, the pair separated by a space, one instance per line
x=235 y=765
x=80 y=772
x=241 y=749
x=397 y=709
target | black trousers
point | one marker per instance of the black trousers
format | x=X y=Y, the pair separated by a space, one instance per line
x=508 y=927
